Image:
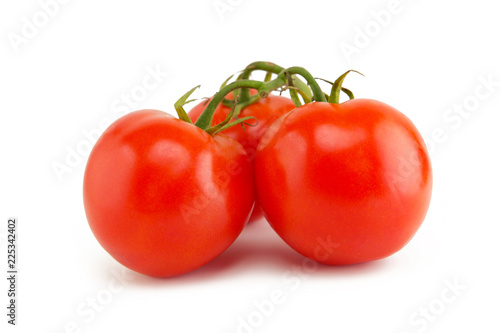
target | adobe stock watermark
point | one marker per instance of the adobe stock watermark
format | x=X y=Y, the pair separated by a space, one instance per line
x=292 y=280
x=201 y=201
x=204 y=199
x=32 y=25
x=75 y=155
x=222 y=7
x=364 y=35
x=422 y=318
x=3 y=239
x=88 y=310
x=452 y=119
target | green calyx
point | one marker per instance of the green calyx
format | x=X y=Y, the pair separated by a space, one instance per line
x=337 y=88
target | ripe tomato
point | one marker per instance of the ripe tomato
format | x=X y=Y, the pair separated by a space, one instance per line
x=344 y=183
x=164 y=197
x=265 y=110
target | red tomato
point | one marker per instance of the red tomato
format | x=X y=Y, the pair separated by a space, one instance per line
x=266 y=111
x=162 y=196
x=344 y=183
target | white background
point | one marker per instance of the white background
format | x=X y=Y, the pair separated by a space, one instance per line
x=70 y=74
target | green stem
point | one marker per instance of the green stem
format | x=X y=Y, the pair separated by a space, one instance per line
x=318 y=94
x=293 y=92
x=258 y=65
x=240 y=106
x=264 y=88
x=271 y=67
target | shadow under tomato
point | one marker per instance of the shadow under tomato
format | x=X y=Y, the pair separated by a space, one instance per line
x=259 y=250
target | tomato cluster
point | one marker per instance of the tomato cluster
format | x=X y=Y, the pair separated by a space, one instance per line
x=165 y=196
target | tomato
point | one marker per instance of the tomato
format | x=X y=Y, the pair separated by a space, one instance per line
x=265 y=110
x=164 y=197
x=344 y=183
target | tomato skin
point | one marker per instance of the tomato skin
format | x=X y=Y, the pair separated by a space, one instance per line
x=265 y=110
x=344 y=183
x=159 y=193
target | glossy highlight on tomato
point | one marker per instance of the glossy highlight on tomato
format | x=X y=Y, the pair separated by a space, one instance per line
x=344 y=183
x=164 y=197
